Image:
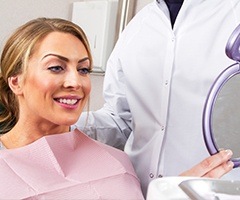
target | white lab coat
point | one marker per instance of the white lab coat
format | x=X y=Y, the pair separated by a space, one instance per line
x=156 y=83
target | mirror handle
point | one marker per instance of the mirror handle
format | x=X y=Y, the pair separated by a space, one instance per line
x=232 y=48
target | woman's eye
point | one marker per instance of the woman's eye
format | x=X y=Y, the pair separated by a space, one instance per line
x=84 y=70
x=56 y=68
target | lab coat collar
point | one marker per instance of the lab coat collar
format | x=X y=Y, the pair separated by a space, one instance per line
x=159 y=2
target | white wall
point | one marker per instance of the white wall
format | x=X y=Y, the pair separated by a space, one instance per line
x=14 y=13
x=140 y=4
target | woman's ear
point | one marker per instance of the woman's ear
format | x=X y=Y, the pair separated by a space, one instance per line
x=15 y=83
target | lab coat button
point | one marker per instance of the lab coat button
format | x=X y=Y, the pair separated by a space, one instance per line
x=160 y=176
x=151 y=175
x=166 y=82
x=162 y=128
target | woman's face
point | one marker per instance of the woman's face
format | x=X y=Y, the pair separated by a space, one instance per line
x=56 y=86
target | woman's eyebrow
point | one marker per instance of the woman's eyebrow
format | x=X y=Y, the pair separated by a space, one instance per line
x=56 y=55
x=83 y=59
x=64 y=58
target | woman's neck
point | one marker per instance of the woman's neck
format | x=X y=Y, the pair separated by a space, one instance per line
x=20 y=136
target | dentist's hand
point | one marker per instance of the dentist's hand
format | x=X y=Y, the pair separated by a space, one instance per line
x=214 y=166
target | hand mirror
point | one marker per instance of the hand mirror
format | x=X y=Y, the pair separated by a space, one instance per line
x=221 y=114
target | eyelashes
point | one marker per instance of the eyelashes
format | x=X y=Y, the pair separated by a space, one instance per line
x=59 y=69
x=85 y=70
x=55 y=68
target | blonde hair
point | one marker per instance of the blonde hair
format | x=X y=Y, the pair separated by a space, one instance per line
x=15 y=56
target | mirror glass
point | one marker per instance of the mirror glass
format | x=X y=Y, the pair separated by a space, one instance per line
x=221 y=114
x=224 y=118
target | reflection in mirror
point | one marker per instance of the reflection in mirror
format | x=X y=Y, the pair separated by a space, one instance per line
x=226 y=116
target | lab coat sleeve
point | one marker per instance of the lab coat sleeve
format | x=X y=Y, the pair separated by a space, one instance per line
x=112 y=123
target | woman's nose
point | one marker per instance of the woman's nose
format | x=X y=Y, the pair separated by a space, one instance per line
x=72 y=80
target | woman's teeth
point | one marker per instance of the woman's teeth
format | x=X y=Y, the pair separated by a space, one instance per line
x=68 y=101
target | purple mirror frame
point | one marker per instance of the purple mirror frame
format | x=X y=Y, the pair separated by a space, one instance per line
x=232 y=50
x=209 y=106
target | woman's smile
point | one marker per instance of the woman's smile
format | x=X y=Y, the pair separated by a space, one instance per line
x=68 y=102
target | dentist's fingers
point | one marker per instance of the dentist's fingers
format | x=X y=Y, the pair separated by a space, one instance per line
x=212 y=167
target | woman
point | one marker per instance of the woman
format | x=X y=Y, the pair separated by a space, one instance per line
x=44 y=86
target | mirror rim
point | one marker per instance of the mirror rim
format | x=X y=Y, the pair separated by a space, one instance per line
x=220 y=81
